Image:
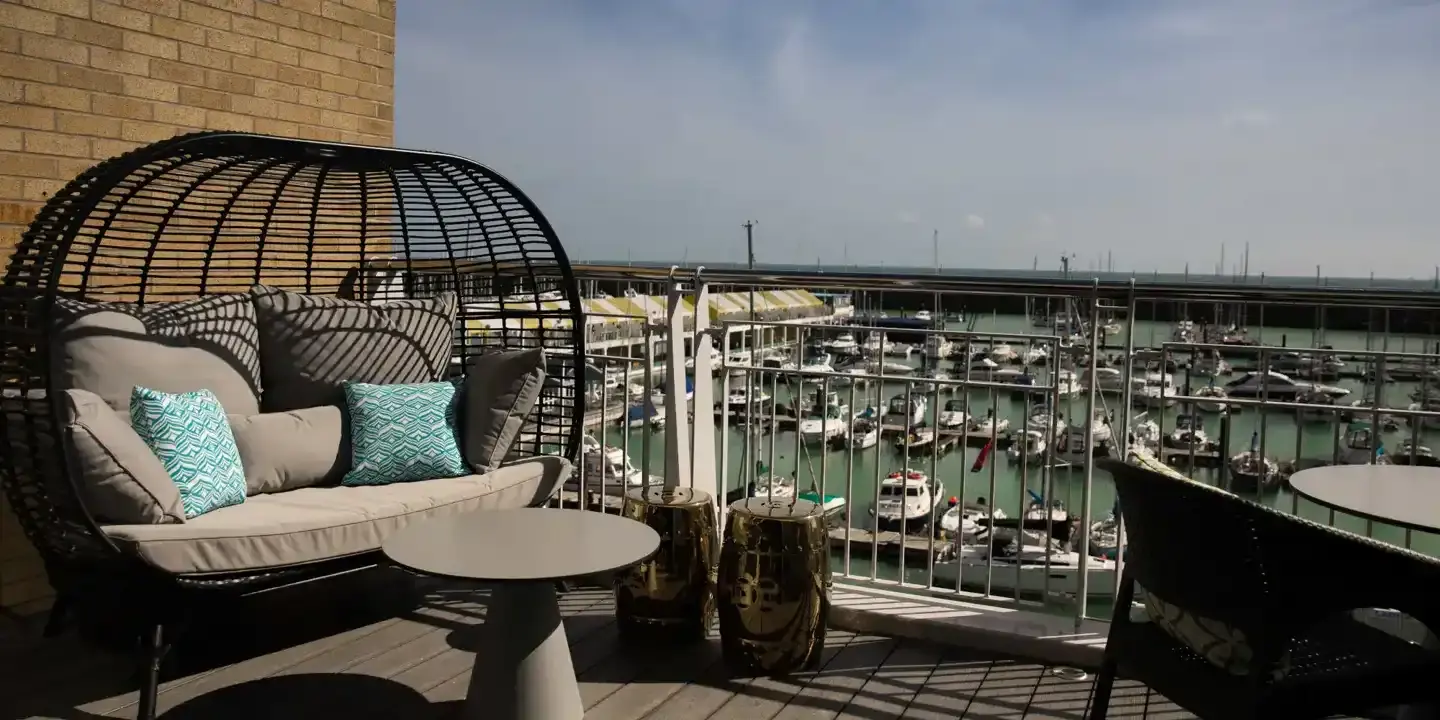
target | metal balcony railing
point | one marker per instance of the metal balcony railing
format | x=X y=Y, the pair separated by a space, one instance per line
x=1155 y=398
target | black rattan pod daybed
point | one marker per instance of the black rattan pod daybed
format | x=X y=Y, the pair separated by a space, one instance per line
x=215 y=214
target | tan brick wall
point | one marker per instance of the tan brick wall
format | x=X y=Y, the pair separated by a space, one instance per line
x=84 y=80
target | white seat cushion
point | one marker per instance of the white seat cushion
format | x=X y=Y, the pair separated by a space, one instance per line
x=307 y=525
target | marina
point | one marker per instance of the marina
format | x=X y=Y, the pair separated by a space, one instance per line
x=911 y=411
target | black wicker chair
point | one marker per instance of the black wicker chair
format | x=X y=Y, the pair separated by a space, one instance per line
x=213 y=213
x=1286 y=583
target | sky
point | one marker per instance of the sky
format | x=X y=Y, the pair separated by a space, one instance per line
x=1146 y=134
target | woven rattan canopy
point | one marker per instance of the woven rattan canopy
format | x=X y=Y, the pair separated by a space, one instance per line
x=214 y=213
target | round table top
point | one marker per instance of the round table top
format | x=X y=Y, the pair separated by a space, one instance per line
x=1403 y=495
x=529 y=544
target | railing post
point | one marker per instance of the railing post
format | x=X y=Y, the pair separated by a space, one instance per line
x=677 y=425
x=1088 y=488
x=702 y=475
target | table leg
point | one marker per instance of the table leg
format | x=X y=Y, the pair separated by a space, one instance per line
x=522 y=665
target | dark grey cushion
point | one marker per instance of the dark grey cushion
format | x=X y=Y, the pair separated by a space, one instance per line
x=288 y=450
x=310 y=346
x=204 y=344
x=500 y=392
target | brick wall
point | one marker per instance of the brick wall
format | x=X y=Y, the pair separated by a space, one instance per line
x=84 y=80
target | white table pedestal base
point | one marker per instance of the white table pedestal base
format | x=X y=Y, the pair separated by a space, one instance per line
x=522 y=664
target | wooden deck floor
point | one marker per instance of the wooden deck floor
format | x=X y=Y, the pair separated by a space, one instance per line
x=357 y=650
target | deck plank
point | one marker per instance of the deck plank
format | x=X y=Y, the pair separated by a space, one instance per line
x=415 y=663
x=665 y=672
x=827 y=694
x=948 y=689
x=765 y=697
x=890 y=690
x=1006 y=689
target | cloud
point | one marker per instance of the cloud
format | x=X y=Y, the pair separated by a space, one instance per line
x=974 y=222
x=1154 y=129
x=907 y=218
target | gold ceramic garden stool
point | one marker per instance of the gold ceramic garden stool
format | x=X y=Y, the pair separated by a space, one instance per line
x=670 y=597
x=772 y=594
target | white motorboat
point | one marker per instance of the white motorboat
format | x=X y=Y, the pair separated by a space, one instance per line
x=953 y=416
x=815 y=363
x=1321 y=407
x=889 y=369
x=823 y=424
x=1070 y=446
x=863 y=434
x=741 y=399
x=877 y=344
x=963 y=519
x=645 y=414
x=778 y=487
x=1067 y=384
x=1276 y=386
x=1159 y=391
x=1020 y=378
x=980 y=368
x=1105 y=536
x=1034 y=355
x=778 y=362
x=843 y=343
x=1044 y=420
x=916 y=442
x=900 y=350
x=1002 y=353
x=938 y=381
x=1183 y=332
x=988 y=425
x=1209 y=366
x=851 y=376
x=1006 y=561
x=1215 y=399
x=1027 y=446
x=907 y=498
x=1145 y=433
x=937 y=347
x=923 y=315
x=610 y=467
x=1041 y=511
x=1106 y=379
x=1425 y=422
x=1412 y=454
x=908 y=411
x=1360 y=443
x=1252 y=472
x=1189 y=433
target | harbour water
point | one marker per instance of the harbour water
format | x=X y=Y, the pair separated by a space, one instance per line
x=1002 y=482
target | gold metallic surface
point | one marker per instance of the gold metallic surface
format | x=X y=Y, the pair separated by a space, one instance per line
x=672 y=595
x=772 y=593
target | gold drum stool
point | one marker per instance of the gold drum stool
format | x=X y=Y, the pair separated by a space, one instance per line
x=772 y=593
x=670 y=597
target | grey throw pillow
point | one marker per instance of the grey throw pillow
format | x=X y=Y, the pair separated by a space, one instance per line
x=121 y=480
x=204 y=344
x=501 y=389
x=310 y=346
x=295 y=449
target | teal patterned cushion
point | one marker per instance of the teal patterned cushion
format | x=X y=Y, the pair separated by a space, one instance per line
x=191 y=435
x=402 y=433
